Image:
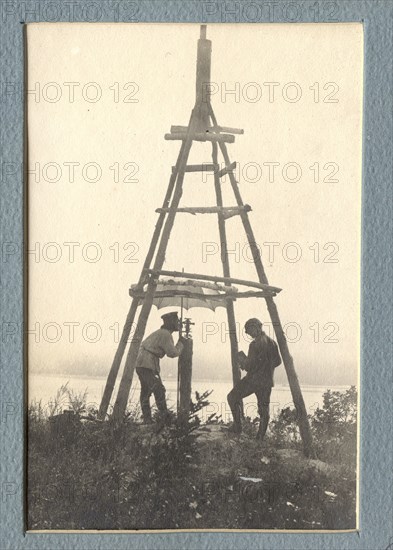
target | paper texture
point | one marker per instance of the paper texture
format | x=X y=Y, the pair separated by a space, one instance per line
x=100 y=99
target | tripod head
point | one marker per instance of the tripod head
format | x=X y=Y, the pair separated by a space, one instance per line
x=187 y=327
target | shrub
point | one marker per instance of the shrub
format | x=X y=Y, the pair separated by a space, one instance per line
x=284 y=429
x=83 y=473
x=334 y=426
x=88 y=474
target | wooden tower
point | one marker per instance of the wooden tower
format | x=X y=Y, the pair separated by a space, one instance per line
x=203 y=127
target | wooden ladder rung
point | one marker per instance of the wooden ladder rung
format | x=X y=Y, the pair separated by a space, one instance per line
x=199 y=168
x=227 y=211
x=221 y=138
x=198 y=276
x=141 y=294
x=227 y=169
x=227 y=129
x=211 y=129
x=177 y=129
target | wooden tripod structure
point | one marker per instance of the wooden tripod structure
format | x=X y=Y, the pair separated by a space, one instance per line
x=203 y=127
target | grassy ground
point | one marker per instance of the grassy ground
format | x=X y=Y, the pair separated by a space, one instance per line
x=85 y=474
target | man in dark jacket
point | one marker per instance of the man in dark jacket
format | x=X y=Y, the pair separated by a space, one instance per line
x=263 y=357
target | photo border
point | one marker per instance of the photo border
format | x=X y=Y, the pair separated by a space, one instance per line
x=376 y=457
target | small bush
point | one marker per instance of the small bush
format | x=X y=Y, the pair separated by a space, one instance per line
x=334 y=427
x=284 y=430
x=87 y=474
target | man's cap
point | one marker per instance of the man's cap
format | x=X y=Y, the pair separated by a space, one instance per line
x=172 y=316
x=252 y=321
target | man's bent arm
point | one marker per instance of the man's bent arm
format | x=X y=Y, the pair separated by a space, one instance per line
x=244 y=361
x=172 y=350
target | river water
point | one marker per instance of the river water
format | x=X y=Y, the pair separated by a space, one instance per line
x=44 y=388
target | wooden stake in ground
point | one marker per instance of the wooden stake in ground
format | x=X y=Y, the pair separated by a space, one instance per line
x=185 y=377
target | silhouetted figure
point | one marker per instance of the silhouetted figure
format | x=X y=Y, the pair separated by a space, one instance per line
x=263 y=357
x=154 y=348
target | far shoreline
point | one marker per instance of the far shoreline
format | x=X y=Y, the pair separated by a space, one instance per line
x=173 y=378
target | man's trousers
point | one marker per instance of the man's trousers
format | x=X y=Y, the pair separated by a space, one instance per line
x=151 y=383
x=247 y=386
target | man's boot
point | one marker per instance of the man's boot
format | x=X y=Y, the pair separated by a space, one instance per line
x=146 y=414
x=236 y=427
x=262 y=428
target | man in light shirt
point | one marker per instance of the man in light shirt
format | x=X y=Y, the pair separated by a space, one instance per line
x=154 y=348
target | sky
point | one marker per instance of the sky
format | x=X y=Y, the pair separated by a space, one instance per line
x=102 y=96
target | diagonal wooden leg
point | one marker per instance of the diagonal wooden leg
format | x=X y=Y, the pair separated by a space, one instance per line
x=111 y=380
x=297 y=396
x=126 y=381
x=226 y=272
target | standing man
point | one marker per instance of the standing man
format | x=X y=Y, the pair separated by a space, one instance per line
x=263 y=357
x=152 y=349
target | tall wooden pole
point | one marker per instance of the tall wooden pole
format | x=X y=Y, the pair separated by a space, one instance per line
x=126 y=380
x=297 y=396
x=202 y=81
x=185 y=376
x=111 y=380
x=198 y=123
x=236 y=377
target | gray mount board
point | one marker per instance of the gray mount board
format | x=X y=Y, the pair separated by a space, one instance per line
x=376 y=511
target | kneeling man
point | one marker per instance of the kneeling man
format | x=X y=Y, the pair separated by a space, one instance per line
x=152 y=349
x=263 y=357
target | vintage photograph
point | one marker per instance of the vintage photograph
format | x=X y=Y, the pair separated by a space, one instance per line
x=193 y=276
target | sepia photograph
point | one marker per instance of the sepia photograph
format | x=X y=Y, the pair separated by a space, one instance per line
x=193 y=206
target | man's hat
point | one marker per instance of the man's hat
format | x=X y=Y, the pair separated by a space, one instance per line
x=252 y=321
x=172 y=316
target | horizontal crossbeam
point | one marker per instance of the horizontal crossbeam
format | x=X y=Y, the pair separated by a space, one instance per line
x=230 y=280
x=175 y=129
x=182 y=293
x=227 y=129
x=140 y=294
x=221 y=138
x=227 y=169
x=226 y=211
x=190 y=282
x=199 y=168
